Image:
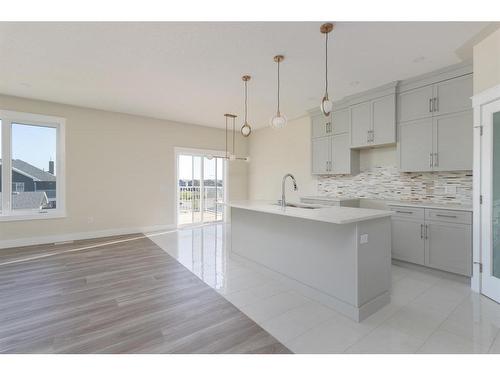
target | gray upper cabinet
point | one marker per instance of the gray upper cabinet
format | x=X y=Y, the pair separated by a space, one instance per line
x=452 y=141
x=361 y=124
x=453 y=95
x=321 y=155
x=415 y=104
x=341 y=121
x=431 y=144
x=321 y=126
x=415 y=146
x=343 y=159
x=331 y=153
x=373 y=123
x=384 y=120
x=435 y=121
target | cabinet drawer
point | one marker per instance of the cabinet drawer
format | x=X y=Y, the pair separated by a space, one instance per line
x=460 y=217
x=408 y=212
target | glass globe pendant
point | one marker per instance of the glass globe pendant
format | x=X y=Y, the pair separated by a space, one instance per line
x=279 y=120
x=326 y=104
x=246 y=129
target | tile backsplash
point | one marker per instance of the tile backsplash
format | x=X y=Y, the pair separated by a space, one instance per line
x=388 y=183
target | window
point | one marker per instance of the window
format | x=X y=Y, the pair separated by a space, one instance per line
x=31 y=166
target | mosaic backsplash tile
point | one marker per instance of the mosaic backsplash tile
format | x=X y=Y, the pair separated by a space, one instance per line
x=388 y=183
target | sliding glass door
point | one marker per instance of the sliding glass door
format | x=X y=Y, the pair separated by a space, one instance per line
x=200 y=188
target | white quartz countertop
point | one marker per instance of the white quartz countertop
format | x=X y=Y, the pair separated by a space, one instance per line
x=334 y=215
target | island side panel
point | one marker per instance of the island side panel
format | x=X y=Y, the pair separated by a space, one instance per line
x=374 y=261
x=317 y=254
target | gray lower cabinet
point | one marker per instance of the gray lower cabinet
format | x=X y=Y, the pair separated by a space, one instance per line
x=444 y=244
x=448 y=247
x=407 y=241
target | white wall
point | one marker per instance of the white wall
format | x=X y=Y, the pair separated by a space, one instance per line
x=277 y=152
x=120 y=170
x=487 y=62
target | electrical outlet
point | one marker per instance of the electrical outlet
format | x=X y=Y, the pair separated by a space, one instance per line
x=363 y=239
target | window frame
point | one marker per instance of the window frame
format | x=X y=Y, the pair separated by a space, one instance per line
x=7 y=118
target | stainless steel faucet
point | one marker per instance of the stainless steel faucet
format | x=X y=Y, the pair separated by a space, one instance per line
x=283 y=200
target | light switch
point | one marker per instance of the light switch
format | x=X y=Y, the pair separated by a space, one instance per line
x=363 y=239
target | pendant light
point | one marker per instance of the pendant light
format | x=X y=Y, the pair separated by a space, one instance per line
x=231 y=156
x=326 y=104
x=246 y=129
x=278 y=121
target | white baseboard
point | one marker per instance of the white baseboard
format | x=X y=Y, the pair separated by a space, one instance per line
x=4 y=244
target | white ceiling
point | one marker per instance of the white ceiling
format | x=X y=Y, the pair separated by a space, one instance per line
x=191 y=72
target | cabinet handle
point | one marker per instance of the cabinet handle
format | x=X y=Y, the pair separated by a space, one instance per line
x=436 y=105
x=430 y=105
x=448 y=216
x=404 y=212
x=436 y=160
x=367 y=136
x=426 y=229
x=421 y=231
x=430 y=160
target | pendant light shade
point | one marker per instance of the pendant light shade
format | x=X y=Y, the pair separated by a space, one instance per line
x=326 y=104
x=278 y=121
x=246 y=129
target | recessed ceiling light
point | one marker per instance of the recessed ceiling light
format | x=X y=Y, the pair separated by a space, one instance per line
x=419 y=59
x=24 y=84
x=354 y=83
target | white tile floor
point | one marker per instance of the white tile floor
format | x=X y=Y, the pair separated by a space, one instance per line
x=430 y=312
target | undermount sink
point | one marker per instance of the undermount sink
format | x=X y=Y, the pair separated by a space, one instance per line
x=299 y=205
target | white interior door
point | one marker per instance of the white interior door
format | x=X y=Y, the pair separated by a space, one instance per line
x=490 y=209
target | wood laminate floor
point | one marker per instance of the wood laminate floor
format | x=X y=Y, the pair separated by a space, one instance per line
x=127 y=296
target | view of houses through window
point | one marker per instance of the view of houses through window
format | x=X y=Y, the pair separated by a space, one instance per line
x=200 y=196
x=33 y=167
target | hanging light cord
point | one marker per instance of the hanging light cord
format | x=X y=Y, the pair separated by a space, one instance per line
x=246 y=102
x=278 y=87
x=226 y=136
x=326 y=65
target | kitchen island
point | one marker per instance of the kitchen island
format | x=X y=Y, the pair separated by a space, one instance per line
x=340 y=256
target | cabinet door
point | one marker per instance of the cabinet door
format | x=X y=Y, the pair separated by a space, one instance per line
x=320 y=126
x=408 y=241
x=448 y=247
x=360 y=124
x=453 y=142
x=321 y=155
x=341 y=121
x=415 y=145
x=415 y=104
x=453 y=95
x=384 y=120
x=341 y=154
